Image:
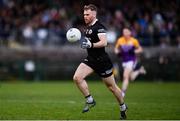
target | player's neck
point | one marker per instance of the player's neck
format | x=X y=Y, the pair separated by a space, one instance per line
x=127 y=38
x=93 y=22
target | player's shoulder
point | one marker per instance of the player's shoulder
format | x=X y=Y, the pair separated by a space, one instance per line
x=134 y=39
x=121 y=39
x=100 y=26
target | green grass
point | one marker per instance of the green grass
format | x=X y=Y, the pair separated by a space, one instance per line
x=62 y=100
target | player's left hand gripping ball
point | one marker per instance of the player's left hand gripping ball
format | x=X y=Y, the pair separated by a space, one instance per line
x=86 y=43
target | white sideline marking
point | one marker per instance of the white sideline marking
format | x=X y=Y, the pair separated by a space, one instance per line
x=40 y=101
x=71 y=102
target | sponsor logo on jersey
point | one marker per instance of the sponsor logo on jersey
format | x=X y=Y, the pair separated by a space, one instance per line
x=86 y=60
x=101 y=31
x=107 y=72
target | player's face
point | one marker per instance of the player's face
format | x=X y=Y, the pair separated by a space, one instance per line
x=126 y=33
x=89 y=16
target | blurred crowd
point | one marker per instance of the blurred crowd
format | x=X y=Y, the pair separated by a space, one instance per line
x=45 y=22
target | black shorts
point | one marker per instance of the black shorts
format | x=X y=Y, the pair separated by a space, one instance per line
x=101 y=65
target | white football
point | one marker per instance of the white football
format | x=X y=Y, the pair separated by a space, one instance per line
x=73 y=35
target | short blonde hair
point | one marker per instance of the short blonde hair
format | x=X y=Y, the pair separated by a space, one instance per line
x=91 y=7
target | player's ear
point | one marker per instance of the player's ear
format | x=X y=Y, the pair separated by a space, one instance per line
x=94 y=13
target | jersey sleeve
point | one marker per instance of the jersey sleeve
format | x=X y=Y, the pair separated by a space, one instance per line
x=101 y=30
x=136 y=43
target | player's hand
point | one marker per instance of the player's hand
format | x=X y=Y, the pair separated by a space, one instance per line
x=86 y=43
x=116 y=51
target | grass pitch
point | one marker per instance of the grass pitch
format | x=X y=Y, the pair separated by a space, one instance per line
x=63 y=101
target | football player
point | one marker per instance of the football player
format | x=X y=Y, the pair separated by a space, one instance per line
x=97 y=61
x=127 y=47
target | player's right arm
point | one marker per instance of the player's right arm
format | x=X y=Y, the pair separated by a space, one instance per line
x=116 y=49
x=101 y=33
x=102 y=42
x=138 y=48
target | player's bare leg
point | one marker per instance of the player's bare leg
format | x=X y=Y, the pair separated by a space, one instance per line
x=112 y=86
x=79 y=78
x=126 y=76
x=135 y=74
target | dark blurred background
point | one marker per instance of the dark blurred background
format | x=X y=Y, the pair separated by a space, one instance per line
x=33 y=43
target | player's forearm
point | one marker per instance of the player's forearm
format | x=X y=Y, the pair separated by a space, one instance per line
x=100 y=44
x=138 y=50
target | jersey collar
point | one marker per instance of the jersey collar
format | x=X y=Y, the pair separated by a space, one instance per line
x=93 y=22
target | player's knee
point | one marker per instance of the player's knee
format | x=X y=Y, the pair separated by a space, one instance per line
x=77 y=78
x=126 y=78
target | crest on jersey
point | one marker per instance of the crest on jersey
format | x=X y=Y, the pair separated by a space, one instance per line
x=90 y=31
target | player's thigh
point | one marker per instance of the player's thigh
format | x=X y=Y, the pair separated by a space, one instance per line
x=127 y=72
x=82 y=71
x=128 y=68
